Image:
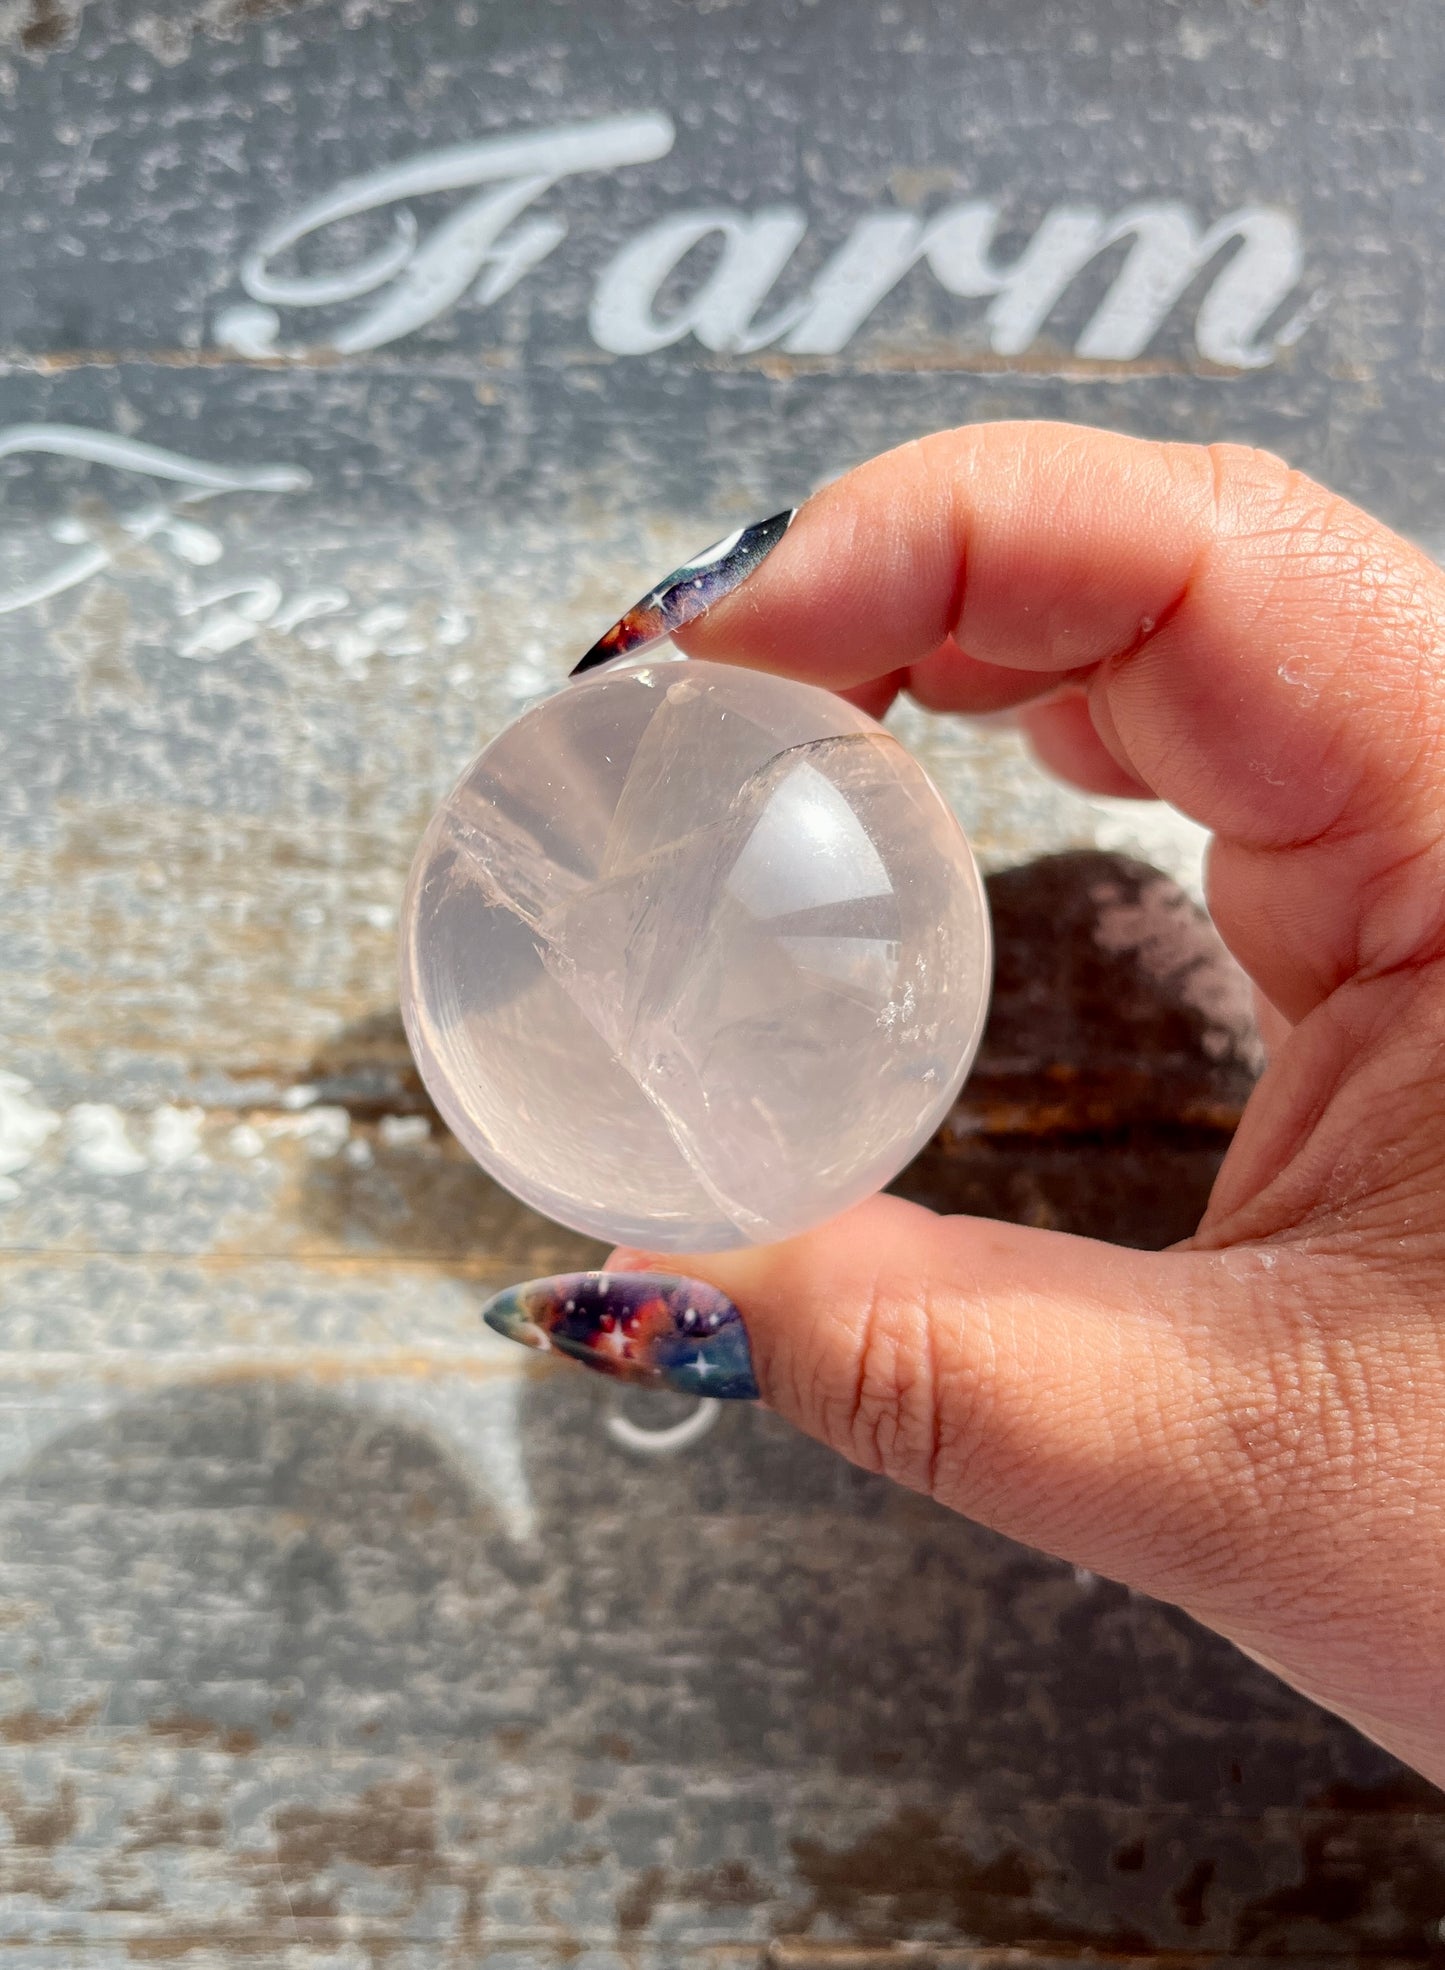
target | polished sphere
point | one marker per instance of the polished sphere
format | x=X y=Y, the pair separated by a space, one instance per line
x=694 y=957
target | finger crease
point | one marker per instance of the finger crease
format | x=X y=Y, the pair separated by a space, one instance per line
x=957 y=596
x=1154 y=626
x=933 y=1400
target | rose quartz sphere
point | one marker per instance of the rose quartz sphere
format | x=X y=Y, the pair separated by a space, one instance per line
x=694 y=957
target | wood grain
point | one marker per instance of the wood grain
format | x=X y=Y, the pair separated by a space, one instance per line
x=332 y=1632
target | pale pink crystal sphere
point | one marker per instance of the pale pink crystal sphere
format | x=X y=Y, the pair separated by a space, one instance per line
x=694 y=957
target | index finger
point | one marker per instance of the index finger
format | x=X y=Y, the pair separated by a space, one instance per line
x=1257 y=652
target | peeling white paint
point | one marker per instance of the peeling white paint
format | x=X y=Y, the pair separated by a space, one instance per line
x=324 y=1130
x=100 y=1142
x=401 y=1131
x=24 y=1126
x=175 y=1137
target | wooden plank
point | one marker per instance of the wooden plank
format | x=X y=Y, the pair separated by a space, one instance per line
x=332 y=1632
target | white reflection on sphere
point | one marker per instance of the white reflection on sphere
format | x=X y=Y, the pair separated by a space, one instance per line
x=694 y=957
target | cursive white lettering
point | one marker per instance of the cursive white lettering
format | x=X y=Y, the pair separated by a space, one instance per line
x=756 y=248
x=1252 y=257
x=430 y=277
x=1170 y=249
x=202 y=477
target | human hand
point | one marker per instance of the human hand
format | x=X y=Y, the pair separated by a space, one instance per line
x=1252 y=1424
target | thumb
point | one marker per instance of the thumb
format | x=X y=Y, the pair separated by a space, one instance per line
x=1134 y=1412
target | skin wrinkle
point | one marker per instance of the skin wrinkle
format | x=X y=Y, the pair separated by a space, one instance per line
x=1406 y=1157
x=1227 y=1399
x=1302 y=1195
x=1197 y=1512
x=1383 y=893
x=1264 y=1408
x=893 y=1401
x=1196 y=1533
x=1380 y=890
x=1150 y=629
x=965 y=1405
x=807 y=1392
x=958 y=596
x=1387 y=1179
x=1303 y=509
x=1291 y=1598
x=932 y=1394
x=1301 y=1399
x=1120 y=1429
x=1101 y=716
x=861 y=1435
x=879 y=1403
x=900 y=1324
x=1423 y=948
x=1311 y=1382
x=1246 y=914
x=1303 y=512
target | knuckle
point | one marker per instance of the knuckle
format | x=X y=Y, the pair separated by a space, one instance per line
x=1298 y=529
x=1321 y=570
x=901 y=1412
x=1283 y=516
x=1237 y=467
x=887 y=1401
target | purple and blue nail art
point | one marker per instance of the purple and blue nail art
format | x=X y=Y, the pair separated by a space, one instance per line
x=645 y=1327
x=689 y=591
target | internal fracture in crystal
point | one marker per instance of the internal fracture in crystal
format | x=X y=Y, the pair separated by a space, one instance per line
x=694 y=956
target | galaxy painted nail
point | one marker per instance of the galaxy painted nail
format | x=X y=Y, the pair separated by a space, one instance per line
x=689 y=591
x=651 y=1328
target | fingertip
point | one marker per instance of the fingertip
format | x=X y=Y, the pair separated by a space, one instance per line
x=862 y=584
x=876 y=697
x=1066 y=741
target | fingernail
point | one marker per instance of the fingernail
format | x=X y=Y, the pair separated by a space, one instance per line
x=652 y=1328
x=689 y=591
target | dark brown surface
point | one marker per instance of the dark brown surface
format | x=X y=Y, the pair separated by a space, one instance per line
x=1119 y=1052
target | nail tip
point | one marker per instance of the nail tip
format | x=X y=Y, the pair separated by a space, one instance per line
x=656 y=1330
x=499 y=1303
x=598 y=654
x=689 y=591
x=492 y=1317
x=508 y=1313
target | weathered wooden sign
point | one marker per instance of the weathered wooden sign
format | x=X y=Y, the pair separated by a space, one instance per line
x=329 y=1634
